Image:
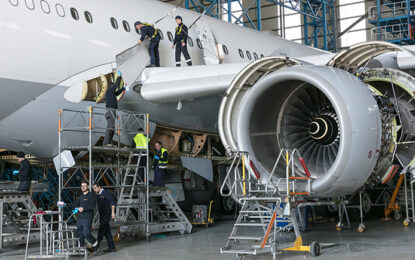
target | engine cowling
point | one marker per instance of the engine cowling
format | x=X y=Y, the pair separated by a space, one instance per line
x=328 y=114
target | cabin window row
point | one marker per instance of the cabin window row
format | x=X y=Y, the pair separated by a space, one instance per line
x=60 y=10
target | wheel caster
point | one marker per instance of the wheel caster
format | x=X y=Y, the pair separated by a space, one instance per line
x=338 y=227
x=406 y=222
x=240 y=257
x=117 y=238
x=361 y=228
x=397 y=215
x=315 y=249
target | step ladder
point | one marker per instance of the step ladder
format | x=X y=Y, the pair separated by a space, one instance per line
x=256 y=229
x=128 y=198
x=57 y=239
x=267 y=205
x=166 y=215
x=20 y=208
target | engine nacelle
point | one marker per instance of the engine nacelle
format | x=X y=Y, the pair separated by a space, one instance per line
x=328 y=114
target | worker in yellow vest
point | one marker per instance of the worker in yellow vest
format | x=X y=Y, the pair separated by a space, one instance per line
x=160 y=162
x=140 y=142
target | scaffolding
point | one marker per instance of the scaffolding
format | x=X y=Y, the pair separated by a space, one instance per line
x=394 y=21
x=137 y=203
x=319 y=16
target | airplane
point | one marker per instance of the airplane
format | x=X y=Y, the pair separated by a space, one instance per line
x=349 y=113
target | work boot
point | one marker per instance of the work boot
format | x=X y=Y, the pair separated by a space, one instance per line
x=96 y=248
x=109 y=250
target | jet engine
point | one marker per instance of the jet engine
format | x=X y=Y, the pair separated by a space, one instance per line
x=345 y=127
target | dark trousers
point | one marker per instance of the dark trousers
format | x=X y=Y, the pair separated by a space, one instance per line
x=154 y=53
x=159 y=177
x=105 y=230
x=110 y=117
x=84 y=231
x=24 y=186
x=179 y=50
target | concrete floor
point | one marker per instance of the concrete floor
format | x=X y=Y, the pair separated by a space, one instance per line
x=381 y=240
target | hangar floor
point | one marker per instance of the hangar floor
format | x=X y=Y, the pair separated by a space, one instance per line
x=381 y=240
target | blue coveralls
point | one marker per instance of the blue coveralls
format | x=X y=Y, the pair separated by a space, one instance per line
x=87 y=202
x=160 y=167
x=154 y=35
x=179 y=38
x=105 y=200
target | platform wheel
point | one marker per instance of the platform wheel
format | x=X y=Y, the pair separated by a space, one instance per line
x=315 y=249
x=406 y=222
x=338 y=227
x=361 y=228
x=397 y=215
x=240 y=257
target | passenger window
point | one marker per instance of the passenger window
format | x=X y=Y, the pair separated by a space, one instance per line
x=262 y=56
x=114 y=23
x=45 y=6
x=255 y=56
x=190 y=41
x=199 y=43
x=14 y=2
x=88 y=17
x=225 y=49
x=137 y=30
x=170 y=36
x=60 y=10
x=126 y=26
x=30 y=4
x=74 y=14
x=241 y=53
x=161 y=34
x=248 y=55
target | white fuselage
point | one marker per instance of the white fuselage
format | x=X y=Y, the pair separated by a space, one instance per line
x=42 y=47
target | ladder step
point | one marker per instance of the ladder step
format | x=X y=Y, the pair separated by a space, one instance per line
x=255 y=211
x=241 y=252
x=245 y=238
x=250 y=224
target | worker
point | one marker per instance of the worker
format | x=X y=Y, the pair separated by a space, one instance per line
x=85 y=205
x=148 y=30
x=106 y=210
x=140 y=142
x=111 y=103
x=160 y=162
x=180 y=42
x=24 y=172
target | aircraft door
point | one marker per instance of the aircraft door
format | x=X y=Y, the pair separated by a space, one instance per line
x=208 y=41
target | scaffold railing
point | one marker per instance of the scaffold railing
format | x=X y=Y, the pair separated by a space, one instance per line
x=80 y=131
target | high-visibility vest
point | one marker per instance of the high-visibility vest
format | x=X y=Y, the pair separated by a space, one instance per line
x=162 y=164
x=155 y=30
x=140 y=141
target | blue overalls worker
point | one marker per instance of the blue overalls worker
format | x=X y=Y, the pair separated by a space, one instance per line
x=85 y=205
x=160 y=162
x=111 y=104
x=148 y=30
x=140 y=142
x=180 y=42
x=24 y=172
x=106 y=209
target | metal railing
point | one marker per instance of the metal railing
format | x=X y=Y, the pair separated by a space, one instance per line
x=239 y=182
x=391 y=32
